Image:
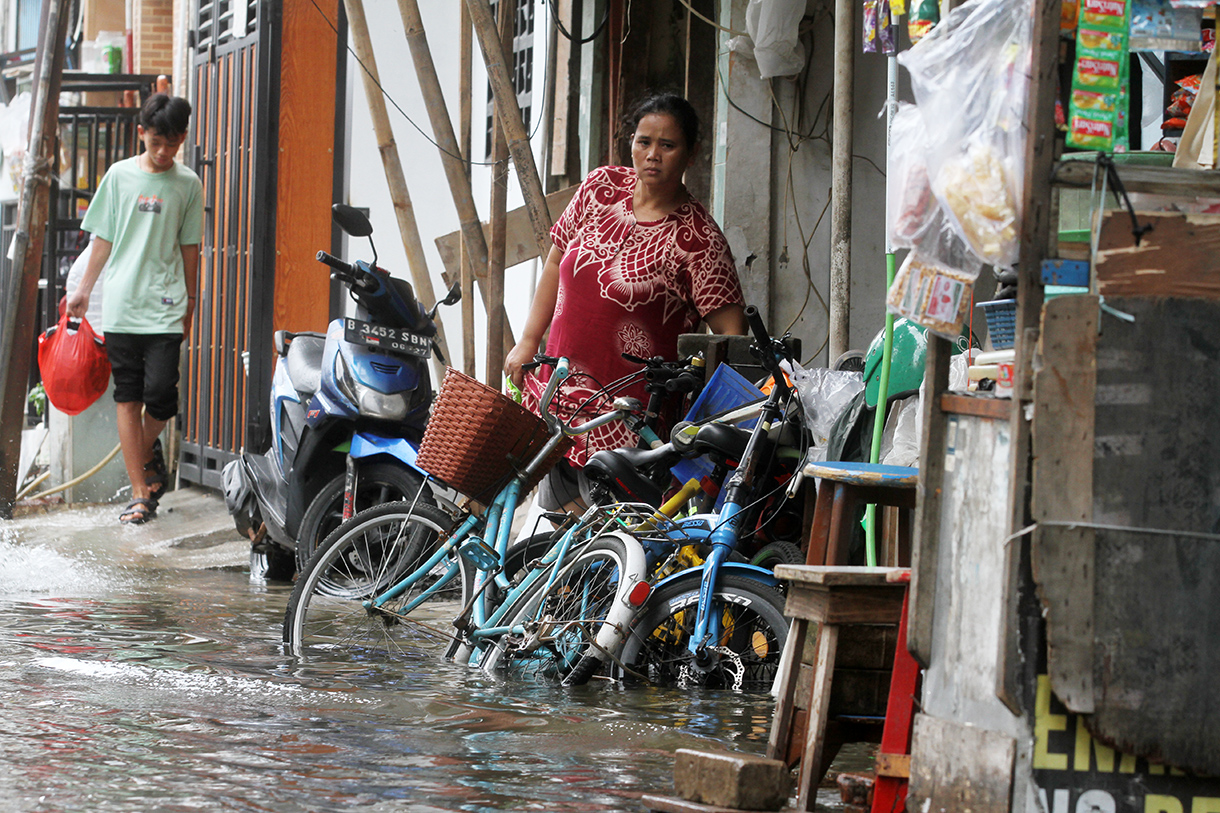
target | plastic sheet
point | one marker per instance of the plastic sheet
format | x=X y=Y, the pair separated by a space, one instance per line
x=773 y=39
x=900 y=438
x=970 y=80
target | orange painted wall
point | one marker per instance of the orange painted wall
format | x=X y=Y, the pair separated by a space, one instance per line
x=305 y=186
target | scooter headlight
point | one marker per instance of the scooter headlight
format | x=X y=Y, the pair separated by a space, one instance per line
x=370 y=402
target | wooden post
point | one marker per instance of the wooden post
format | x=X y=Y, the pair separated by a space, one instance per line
x=20 y=321
x=499 y=209
x=452 y=157
x=840 y=173
x=510 y=117
x=403 y=210
x=465 y=61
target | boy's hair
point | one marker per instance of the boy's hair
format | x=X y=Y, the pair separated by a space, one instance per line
x=168 y=115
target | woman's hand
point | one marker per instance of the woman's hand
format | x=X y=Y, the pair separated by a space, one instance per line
x=520 y=355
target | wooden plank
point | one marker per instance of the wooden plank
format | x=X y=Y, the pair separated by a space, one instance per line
x=519 y=238
x=305 y=143
x=1153 y=180
x=959 y=767
x=852 y=605
x=1157 y=467
x=812 y=768
x=956 y=403
x=897 y=766
x=1177 y=258
x=836 y=576
x=925 y=545
x=1062 y=491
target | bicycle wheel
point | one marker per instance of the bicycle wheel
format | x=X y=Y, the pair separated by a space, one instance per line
x=365 y=555
x=746 y=656
x=572 y=628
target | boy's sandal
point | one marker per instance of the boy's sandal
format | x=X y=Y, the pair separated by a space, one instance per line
x=138 y=511
x=156 y=475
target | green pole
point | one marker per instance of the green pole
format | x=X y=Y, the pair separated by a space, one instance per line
x=870 y=513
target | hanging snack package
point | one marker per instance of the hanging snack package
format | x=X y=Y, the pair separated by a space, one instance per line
x=970 y=77
x=923 y=17
x=870 y=26
x=1069 y=12
x=931 y=294
x=1097 y=110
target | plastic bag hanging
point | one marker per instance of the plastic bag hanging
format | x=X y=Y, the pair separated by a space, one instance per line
x=773 y=37
x=73 y=363
x=970 y=77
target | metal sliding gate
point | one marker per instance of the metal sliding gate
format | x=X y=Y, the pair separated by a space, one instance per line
x=233 y=143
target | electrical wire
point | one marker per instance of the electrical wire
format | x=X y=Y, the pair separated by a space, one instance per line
x=568 y=34
x=403 y=113
x=711 y=22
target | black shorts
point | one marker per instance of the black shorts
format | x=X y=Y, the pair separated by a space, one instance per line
x=145 y=370
x=562 y=485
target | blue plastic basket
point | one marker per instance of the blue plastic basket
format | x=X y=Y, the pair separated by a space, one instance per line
x=727 y=389
x=1001 y=322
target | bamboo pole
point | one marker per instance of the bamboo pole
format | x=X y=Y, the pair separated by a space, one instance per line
x=840 y=174
x=22 y=287
x=509 y=114
x=453 y=159
x=403 y=210
x=466 y=59
x=499 y=210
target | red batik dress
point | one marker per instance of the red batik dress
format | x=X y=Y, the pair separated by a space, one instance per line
x=627 y=286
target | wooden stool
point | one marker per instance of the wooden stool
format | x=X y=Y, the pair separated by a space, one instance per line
x=843 y=488
x=831 y=597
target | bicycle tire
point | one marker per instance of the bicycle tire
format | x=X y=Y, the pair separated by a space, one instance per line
x=573 y=627
x=754 y=632
x=365 y=555
x=378 y=483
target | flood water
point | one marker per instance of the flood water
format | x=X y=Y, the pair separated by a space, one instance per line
x=130 y=684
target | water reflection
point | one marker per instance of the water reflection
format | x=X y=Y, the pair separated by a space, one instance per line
x=127 y=687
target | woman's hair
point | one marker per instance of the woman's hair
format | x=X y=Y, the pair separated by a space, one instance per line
x=168 y=115
x=670 y=104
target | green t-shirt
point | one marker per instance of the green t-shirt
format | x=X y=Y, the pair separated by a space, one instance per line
x=147 y=216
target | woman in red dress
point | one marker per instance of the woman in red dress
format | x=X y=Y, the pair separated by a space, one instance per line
x=636 y=261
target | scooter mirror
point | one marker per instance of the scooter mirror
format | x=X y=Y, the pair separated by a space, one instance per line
x=352 y=220
x=454 y=295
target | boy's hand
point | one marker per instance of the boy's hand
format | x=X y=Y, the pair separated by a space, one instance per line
x=78 y=304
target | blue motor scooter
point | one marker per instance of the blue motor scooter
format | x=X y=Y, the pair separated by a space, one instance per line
x=348 y=410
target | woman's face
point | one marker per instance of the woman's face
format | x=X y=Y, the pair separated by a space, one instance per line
x=659 y=151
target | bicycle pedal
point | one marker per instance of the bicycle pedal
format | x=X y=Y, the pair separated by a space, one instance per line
x=479 y=554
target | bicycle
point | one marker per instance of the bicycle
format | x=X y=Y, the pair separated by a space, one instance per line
x=360 y=587
x=720 y=624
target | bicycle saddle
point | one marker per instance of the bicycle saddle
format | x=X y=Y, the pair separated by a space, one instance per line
x=721 y=441
x=624 y=472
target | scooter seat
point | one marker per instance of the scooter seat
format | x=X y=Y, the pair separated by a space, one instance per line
x=304 y=360
x=622 y=472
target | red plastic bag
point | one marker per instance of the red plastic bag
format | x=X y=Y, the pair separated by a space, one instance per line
x=74 y=366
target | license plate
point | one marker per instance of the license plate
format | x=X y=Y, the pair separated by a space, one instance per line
x=396 y=340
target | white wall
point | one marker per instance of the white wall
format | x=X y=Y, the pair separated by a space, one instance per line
x=430 y=195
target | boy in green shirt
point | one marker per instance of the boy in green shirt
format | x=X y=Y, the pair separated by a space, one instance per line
x=147 y=221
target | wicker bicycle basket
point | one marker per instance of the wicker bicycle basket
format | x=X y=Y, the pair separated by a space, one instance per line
x=476 y=438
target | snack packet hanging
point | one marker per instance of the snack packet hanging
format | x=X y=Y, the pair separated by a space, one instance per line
x=870 y=26
x=1110 y=14
x=887 y=28
x=924 y=16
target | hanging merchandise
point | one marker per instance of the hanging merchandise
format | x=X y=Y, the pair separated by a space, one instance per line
x=1157 y=25
x=870 y=26
x=911 y=202
x=933 y=287
x=1198 y=147
x=970 y=79
x=1097 y=110
x=924 y=16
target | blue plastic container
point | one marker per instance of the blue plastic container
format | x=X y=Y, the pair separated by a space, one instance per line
x=726 y=390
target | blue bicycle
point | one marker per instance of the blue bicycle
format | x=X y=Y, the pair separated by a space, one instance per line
x=720 y=624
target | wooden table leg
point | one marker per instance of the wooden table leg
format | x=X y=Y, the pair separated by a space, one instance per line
x=819 y=532
x=812 y=769
x=785 y=700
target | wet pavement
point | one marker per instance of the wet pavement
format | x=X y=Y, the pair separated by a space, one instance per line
x=141 y=670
